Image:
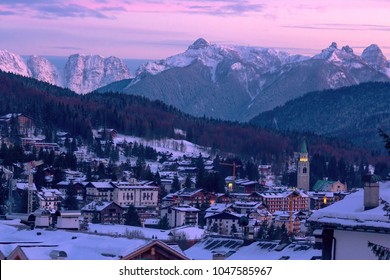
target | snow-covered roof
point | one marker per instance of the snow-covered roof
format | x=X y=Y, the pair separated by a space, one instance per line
x=266 y=251
x=185 y=208
x=98 y=206
x=78 y=246
x=350 y=212
x=102 y=185
x=204 y=250
x=50 y=192
x=218 y=207
x=24 y=186
x=189 y=192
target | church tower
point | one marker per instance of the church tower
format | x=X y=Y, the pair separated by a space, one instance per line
x=303 y=172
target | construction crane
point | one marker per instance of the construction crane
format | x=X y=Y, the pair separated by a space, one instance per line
x=8 y=176
x=293 y=196
x=29 y=167
x=232 y=185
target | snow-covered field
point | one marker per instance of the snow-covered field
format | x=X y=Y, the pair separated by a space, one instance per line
x=178 y=148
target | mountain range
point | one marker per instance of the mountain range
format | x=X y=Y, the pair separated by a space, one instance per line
x=237 y=83
x=81 y=73
x=225 y=82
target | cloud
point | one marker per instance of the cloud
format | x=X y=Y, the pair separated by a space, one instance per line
x=112 y=9
x=225 y=8
x=71 y=10
x=346 y=27
x=66 y=48
x=7 y=13
x=59 y=9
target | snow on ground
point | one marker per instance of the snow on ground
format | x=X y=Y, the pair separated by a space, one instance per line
x=178 y=148
x=192 y=233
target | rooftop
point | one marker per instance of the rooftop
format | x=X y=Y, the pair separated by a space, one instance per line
x=350 y=213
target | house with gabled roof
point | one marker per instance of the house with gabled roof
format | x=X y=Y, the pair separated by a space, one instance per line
x=329 y=186
x=156 y=250
x=104 y=211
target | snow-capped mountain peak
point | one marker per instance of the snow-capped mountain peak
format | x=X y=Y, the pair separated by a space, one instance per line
x=13 y=63
x=41 y=69
x=374 y=57
x=85 y=73
x=82 y=73
x=199 y=44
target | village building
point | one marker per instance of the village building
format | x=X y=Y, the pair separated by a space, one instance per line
x=181 y=215
x=68 y=219
x=329 y=186
x=103 y=212
x=50 y=199
x=285 y=200
x=99 y=191
x=141 y=196
x=224 y=223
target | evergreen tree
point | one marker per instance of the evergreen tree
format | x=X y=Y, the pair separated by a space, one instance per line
x=175 y=184
x=200 y=175
x=163 y=223
x=381 y=252
x=333 y=171
x=188 y=182
x=342 y=166
x=39 y=178
x=271 y=231
x=157 y=179
x=101 y=172
x=262 y=233
x=284 y=237
x=131 y=217
x=70 y=202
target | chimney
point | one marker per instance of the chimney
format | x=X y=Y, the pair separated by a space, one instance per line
x=219 y=256
x=371 y=191
x=58 y=255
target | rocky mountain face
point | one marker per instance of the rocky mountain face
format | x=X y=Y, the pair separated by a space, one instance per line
x=81 y=74
x=237 y=83
x=13 y=63
x=84 y=74
x=42 y=70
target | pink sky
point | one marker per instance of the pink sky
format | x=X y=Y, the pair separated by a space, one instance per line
x=155 y=29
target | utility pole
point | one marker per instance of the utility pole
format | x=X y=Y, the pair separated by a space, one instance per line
x=232 y=186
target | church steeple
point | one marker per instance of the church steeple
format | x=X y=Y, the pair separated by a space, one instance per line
x=303 y=172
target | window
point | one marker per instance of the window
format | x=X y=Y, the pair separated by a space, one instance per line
x=304 y=170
